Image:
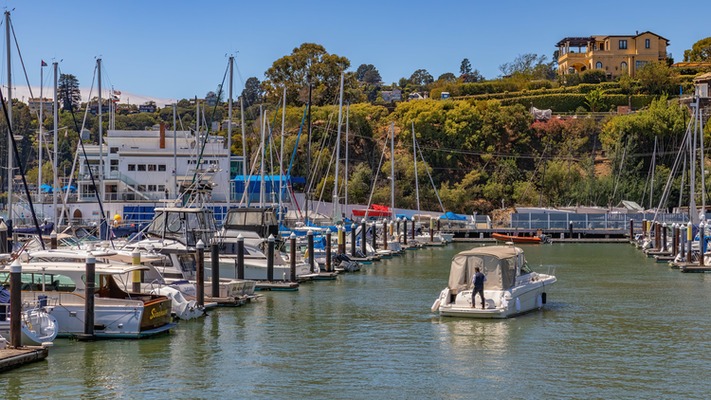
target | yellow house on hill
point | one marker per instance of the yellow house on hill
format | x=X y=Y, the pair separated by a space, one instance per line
x=616 y=55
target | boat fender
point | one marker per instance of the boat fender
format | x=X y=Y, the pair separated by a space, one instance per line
x=539 y=301
x=518 y=304
x=543 y=298
x=435 y=306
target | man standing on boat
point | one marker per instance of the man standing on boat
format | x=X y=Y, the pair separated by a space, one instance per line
x=478 y=282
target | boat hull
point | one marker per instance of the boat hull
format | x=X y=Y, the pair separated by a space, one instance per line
x=517 y=239
x=519 y=300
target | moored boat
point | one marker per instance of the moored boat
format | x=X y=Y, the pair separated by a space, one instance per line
x=521 y=239
x=511 y=287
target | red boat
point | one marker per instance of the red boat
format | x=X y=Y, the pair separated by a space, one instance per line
x=376 y=210
x=520 y=239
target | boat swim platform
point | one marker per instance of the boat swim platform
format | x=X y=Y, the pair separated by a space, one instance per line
x=14 y=358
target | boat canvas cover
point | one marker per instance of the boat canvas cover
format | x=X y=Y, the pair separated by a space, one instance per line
x=498 y=263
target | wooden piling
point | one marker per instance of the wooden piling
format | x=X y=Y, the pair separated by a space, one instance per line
x=135 y=275
x=310 y=249
x=374 y=237
x=200 y=272
x=15 y=304
x=363 y=238
x=240 y=256
x=292 y=256
x=215 y=265
x=385 y=234
x=90 y=277
x=328 y=249
x=631 y=230
x=689 y=239
x=664 y=237
x=353 y=240
x=270 y=258
x=404 y=231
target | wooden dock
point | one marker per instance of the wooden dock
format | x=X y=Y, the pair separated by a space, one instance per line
x=277 y=286
x=15 y=358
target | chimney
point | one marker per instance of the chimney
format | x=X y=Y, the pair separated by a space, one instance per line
x=162 y=135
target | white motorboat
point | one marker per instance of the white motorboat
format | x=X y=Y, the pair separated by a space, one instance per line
x=511 y=287
x=117 y=313
x=38 y=327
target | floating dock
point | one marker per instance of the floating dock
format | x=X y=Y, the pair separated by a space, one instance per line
x=15 y=358
x=277 y=286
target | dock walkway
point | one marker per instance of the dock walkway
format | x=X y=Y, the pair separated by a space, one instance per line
x=14 y=358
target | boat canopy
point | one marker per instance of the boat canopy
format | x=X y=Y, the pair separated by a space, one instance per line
x=452 y=216
x=498 y=263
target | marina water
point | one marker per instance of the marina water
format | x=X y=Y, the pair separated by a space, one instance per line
x=616 y=325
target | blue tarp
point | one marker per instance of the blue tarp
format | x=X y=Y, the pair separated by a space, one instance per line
x=453 y=217
x=45 y=188
x=71 y=188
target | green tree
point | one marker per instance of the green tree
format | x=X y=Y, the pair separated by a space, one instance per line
x=658 y=78
x=699 y=52
x=421 y=78
x=530 y=66
x=447 y=77
x=595 y=100
x=252 y=92
x=68 y=91
x=308 y=64
x=465 y=68
x=367 y=73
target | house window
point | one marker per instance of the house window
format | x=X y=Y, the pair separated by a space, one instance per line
x=598 y=65
x=647 y=43
x=639 y=64
x=623 y=67
x=602 y=46
x=623 y=44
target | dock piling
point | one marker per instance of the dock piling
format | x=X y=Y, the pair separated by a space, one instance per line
x=310 y=249
x=215 y=264
x=270 y=258
x=240 y=256
x=328 y=248
x=52 y=240
x=404 y=231
x=200 y=272
x=90 y=277
x=135 y=275
x=374 y=237
x=353 y=240
x=362 y=237
x=15 y=304
x=292 y=256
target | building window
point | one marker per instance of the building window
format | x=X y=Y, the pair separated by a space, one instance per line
x=114 y=165
x=131 y=167
x=623 y=44
x=151 y=167
x=161 y=167
x=141 y=167
x=598 y=65
x=639 y=64
x=602 y=46
x=623 y=67
x=647 y=43
x=113 y=150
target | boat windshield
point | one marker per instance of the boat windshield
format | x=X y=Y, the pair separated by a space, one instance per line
x=525 y=269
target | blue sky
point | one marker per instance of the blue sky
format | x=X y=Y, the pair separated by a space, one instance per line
x=178 y=49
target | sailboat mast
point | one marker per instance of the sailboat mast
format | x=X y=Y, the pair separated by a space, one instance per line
x=55 y=126
x=245 y=198
x=702 y=164
x=229 y=135
x=40 y=138
x=336 y=212
x=392 y=168
x=10 y=169
x=261 y=158
x=414 y=157
x=175 y=149
x=281 y=156
x=308 y=159
x=101 y=137
x=345 y=174
x=651 y=182
x=693 y=212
